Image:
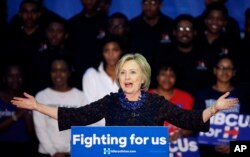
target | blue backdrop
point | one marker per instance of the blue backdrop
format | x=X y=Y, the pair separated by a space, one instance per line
x=131 y=8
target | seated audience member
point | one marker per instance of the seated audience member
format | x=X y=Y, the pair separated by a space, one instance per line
x=193 y=64
x=118 y=25
x=167 y=79
x=27 y=37
x=231 y=28
x=98 y=82
x=17 y=136
x=224 y=71
x=215 y=41
x=52 y=142
x=56 y=36
x=86 y=29
x=45 y=18
x=24 y=41
x=149 y=31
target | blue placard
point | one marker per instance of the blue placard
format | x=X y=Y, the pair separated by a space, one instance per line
x=184 y=147
x=225 y=127
x=124 y=141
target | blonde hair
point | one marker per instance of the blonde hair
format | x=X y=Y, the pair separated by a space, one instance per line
x=143 y=64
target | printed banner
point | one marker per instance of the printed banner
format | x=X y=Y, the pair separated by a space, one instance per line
x=116 y=141
x=226 y=127
x=184 y=147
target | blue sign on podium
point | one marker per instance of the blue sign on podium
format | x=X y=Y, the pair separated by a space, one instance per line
x=119 y=141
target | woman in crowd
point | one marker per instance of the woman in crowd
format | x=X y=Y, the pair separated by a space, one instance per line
x=53 y=143
x=99 y=82
x=167 y=79
x=16 y=124
x=224 y=71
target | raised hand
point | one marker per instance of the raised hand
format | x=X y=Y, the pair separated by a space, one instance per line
x=224 y=103
x=29 y=102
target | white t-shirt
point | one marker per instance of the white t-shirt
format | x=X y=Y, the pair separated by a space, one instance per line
x=51 y=140
x=97 y=84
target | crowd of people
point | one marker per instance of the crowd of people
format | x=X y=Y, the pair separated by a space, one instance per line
x=72 y=62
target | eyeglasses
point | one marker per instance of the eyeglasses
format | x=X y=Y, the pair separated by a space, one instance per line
x=182 y=29
x=222 y=68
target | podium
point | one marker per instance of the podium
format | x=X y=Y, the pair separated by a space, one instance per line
x=119 y=141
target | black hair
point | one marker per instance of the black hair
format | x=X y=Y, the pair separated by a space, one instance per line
x=29 y=1
x=120 y=16
x=113 y=38
x=108 y=39
x=64 y=57
x=155 y=0
x=186 y=17
x=168 y=66
x=58 y=20
x=10 y=65
x=165 y=66
x=5 y=70
x=231 y=58
x=40 y=2
x=106 y=1
x=218 y=7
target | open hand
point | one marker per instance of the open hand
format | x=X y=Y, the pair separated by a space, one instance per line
x=29 y=102
x=224 y=103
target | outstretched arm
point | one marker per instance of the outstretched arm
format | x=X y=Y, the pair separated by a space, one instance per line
x=196 y=120
x=29 y=102
x=222 y=103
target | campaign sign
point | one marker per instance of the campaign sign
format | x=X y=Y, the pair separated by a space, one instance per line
x=226 y=127
x=119 y=141
x=184 y=147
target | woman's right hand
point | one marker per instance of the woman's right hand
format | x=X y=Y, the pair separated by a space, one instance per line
x=29 y=102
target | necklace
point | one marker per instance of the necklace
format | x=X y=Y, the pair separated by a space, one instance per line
x=131 y=105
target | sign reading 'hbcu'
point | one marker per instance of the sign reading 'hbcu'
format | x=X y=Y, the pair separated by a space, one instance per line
x=124 y=141
x=225 y=127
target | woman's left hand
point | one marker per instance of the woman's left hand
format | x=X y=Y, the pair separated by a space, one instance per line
x=224 y=103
